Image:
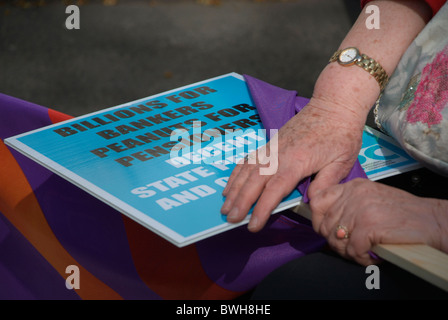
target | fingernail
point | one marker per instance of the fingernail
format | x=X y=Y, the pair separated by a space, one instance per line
x=233 y=215
x=253 y=223
x=226 y=207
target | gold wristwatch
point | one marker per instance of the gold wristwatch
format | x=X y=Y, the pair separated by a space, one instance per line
x=351 y=56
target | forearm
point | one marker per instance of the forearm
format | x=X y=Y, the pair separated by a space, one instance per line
x=354 y=90
x=440 y=212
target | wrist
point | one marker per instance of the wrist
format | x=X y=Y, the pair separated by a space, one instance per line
x=349 y=90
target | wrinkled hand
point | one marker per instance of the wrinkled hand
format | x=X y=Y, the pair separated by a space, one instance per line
x=374 y=213
x=317 y=140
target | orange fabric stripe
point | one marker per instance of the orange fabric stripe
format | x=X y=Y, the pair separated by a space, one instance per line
x=19 y=204
x=56 y=116
x=177 y=273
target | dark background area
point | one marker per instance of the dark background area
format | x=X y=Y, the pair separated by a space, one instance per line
x=130 y=49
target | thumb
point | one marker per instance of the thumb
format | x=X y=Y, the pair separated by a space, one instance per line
x=327 y=177
x=324 y=204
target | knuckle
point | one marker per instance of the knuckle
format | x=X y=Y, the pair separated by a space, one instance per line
x=324 y=230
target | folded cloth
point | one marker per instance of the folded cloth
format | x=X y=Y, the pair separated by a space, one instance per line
x=275 y=107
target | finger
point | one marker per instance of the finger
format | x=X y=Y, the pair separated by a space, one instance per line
x=340 y=237
x=323 y=205
x=238 y=181
x=276 y=188
x=358 y=248
x=232 y=177
x=251 y=158
x=246 y=196
x=362 y=243
x=339 y=246
x=337 y=222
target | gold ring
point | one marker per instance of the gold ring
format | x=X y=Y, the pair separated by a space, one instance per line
x=342 y=232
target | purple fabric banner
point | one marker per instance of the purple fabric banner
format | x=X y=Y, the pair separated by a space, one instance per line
x=115 y=253
x=276 y=106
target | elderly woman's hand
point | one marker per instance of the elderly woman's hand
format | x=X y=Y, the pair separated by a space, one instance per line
x=373 y=213
x=324 y=138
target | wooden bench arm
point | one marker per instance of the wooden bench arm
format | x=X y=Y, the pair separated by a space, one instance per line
x=421 y=260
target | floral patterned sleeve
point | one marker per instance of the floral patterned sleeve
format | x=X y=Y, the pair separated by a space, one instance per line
x=434 y=4
x=413 y=108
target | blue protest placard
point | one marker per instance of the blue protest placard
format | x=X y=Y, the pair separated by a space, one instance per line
x=164 y=160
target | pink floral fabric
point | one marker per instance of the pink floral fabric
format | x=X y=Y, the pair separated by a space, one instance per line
x=413 y=108
x=432 y=92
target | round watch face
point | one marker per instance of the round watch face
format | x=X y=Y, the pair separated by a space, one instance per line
x=349 y=55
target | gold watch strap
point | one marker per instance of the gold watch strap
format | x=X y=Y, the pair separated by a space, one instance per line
x=370 y=65
x=335 y=56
